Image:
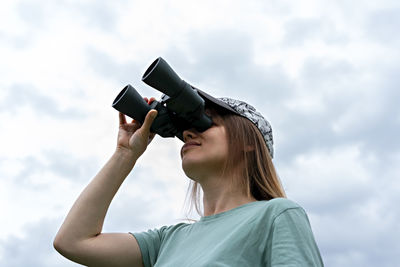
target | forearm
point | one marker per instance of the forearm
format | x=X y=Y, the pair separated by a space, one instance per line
x=86 y=217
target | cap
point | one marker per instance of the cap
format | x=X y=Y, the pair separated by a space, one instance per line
x=247 y=111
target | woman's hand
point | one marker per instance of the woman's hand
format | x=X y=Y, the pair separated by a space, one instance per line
x=134 y=137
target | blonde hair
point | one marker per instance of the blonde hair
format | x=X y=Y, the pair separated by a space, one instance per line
x=247 y=152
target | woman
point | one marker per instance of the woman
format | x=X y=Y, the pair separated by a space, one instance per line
x=246 y=219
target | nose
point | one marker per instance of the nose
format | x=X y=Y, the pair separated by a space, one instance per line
x=189 y=134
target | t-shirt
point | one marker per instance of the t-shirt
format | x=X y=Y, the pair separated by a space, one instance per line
x=261 y=233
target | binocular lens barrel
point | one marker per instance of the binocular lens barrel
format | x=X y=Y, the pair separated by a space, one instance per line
x=131 y=103
x=162 y=77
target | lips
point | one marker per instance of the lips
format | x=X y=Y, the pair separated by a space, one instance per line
x=189 y=144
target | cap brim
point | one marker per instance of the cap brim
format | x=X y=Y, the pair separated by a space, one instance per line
x=215 y=101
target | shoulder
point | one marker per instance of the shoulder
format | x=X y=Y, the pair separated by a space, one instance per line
x=155 y=237
x=161 y=232
x=173 y=229
x=279 y=206
x=284 y=215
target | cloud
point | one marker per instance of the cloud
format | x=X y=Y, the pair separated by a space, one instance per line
x=40 y=186
x=101 y=14
x=334 y=104
x=336 y=178
x=34 y=249
x=59 y=163
x=369 y=114
x=312 y=105
x=33 y=14
x=98 y=14
x=20 y=96
x=33 y=20
x=382 y=25
x=299 y=31
x=106 y=66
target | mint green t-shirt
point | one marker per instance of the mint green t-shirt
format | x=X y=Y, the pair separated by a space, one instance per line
x=262 y=233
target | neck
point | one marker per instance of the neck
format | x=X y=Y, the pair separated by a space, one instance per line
x=222 y=195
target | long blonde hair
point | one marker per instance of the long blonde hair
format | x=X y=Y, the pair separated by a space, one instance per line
x=246 y=149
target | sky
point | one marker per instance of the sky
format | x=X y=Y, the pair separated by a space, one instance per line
x=324 y=73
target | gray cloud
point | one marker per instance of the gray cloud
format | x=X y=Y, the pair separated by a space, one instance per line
x=25 y=95
x=59 y=163
x=370 y=108
x=309 y=131
x=107 y=67
x=383 y=25
x=380 y=133
x=376 y=118
x=15 y=40
x=299 y=31
x=39 y=16
x=35 y=249
x=364 y=241
x=33 y=13
x=99 y=14
x=132 y=212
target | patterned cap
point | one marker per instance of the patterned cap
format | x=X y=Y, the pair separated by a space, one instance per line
x=247 y=111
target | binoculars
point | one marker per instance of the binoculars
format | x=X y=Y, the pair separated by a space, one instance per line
x=180 y=106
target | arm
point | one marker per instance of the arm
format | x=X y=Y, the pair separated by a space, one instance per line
x=80 y=238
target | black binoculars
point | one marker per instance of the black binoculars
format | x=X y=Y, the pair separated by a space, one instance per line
x=180 y=106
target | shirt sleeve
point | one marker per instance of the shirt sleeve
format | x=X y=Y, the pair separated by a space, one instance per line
x=292 y=241
x=150 y=243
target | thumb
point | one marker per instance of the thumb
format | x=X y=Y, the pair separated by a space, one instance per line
x=148 y=121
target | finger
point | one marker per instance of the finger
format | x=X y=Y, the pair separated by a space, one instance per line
x=151 y=100
x=146 y=99
x=148 y=121
x=122 y=119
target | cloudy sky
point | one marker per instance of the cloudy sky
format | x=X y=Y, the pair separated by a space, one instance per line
x=324 y=73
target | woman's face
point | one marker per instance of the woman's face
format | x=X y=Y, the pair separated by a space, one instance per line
x=204 y=153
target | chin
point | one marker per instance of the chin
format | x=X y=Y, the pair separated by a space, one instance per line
x=188 y=169
x=192 y=168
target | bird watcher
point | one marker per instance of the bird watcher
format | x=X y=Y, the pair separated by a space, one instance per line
x=246 y=218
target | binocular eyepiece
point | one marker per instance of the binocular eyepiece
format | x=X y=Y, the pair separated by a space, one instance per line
x=180 y=106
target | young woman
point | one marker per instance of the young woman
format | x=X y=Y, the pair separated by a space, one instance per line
x=245 y=218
